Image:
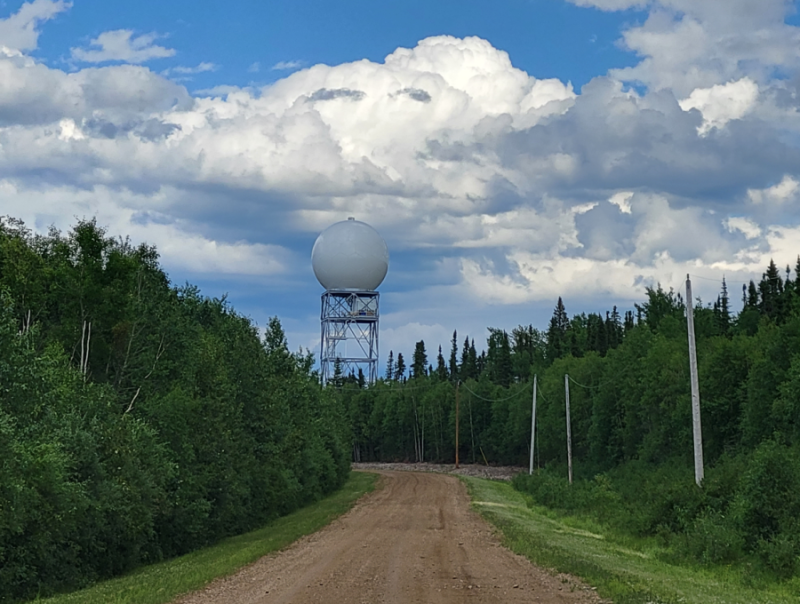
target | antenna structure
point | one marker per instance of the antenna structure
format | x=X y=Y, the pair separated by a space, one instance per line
x=350 y=260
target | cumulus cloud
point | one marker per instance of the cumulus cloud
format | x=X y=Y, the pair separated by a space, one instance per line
x=722 y=103
x=487 y=181
x=786 y=190
x=689 y=44
x=122 y=45
x=20 y=31
x=142 y=216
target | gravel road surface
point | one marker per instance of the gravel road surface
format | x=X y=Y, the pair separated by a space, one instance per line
x=414 y=540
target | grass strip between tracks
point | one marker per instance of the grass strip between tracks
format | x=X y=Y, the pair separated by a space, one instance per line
x=163 y=582
x=623 y=572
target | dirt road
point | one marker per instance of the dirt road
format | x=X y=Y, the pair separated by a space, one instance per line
x=414 y=540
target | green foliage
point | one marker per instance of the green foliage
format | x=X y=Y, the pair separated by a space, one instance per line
x=623 y=569
x=163 y=582
x=140 y=421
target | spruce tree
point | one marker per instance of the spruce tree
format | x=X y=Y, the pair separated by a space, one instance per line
x=420 y=360
x=473 y=370
x=724 y=311
x=629 y=323
x=400 y=368
x=453 y=359
x=771 y=291
x=797 y=276
x=390 y=367
x=614 y=328
x=557 y=332
x=441 y=367
x=466 y=372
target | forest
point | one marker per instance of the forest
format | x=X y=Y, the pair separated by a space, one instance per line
x=139 y=420
x=631 y=418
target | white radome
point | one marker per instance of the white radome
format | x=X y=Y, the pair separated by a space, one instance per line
x=350 y=255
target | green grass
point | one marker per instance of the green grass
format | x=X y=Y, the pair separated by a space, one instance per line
x=163 y=582
x=623 y=570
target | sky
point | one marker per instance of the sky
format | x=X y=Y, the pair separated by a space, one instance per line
x=509 y=152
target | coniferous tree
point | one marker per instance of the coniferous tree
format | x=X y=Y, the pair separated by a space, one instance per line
x=614 y=329
x=723 y=310
x=390 y=367
x=602 y=336
x=499 y=358
x=797 y=276
x=752 y=296
x=420 y=360
x=771 y=291
x=441 y=367
x=338 y=378
x=557 y=345
x=465 y=371
x=400 y=368
x=453 y=360
x=474 y=368
x=629 y=323
x=481 y=363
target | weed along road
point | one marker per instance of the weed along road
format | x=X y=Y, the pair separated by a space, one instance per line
x=414 y=540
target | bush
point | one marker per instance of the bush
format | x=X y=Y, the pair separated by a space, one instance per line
x=713 y=539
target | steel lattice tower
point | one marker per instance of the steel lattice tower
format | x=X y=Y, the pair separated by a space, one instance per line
x=350 y=322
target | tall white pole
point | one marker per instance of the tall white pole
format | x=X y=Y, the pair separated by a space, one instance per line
x=697 y=432
x=569 y=429
x=533 y=424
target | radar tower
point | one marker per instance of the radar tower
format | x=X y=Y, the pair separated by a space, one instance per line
x=350 y=260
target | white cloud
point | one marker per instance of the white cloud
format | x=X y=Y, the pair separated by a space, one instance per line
x=622 y=200
x=143 y=217
x=122 y=45
x=722 y=103
x=199 y=68
x=20 y=31
x=254 y=67
x=486 y=181
x=285 y=65
x=747 y=227
x=786 y=190
x=689 y=44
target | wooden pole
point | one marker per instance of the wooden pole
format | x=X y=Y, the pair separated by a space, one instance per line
x=569 y=429
x=533 y=424
x=697 y=432
x=457 y=385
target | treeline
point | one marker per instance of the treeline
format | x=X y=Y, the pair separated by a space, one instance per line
x=139 y=420
x=630 y=417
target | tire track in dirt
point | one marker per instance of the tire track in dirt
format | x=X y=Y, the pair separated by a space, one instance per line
x=414 y=540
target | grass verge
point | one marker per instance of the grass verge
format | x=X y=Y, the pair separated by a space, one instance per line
x=163 y=582
x=622 y=572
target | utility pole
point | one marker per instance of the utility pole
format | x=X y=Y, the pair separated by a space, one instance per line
x=533 y=424
x=457 y=385
x=697 y=432
x=569 y=429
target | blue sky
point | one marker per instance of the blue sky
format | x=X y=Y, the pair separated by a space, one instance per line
x=550 y=38
x=509 y=152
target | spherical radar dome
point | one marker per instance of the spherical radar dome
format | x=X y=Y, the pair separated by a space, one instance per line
x=350 y=255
